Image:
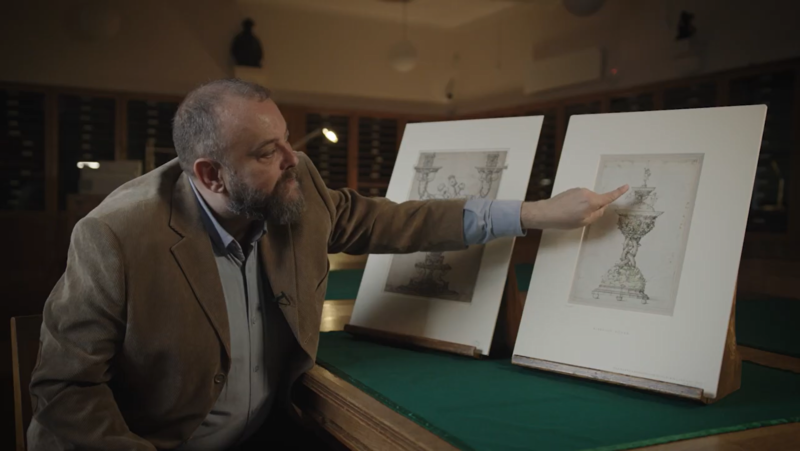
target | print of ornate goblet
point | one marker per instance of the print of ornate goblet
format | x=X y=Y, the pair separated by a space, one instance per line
x=625 y=278
x=431 y=271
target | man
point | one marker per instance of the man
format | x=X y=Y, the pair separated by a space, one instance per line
x=192 y=296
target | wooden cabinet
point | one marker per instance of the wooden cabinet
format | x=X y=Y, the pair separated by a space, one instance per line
x=22 y=150
x=330 y=158
x=45 y=131
x=149 y=125
x=637 y=102
x=693 y=95
x=545 y=162
x=770 y=206
x=86 y=132
x=377 y=150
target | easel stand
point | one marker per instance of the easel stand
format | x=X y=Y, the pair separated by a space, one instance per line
x=506 y=328
x=730 y=378
x=412 y=341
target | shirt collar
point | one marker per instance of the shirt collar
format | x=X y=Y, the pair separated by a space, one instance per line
x=218 y=233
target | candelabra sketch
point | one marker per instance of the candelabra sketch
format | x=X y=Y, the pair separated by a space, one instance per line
x=625 y=279
x=453 y=189
x=431 y=275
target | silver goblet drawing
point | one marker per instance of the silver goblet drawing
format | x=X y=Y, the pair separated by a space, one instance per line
x=625 y=278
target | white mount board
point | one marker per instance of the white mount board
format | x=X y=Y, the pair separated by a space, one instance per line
x=689 y=258
x=389 y=298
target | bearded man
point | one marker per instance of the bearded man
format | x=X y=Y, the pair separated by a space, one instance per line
x=192 y=297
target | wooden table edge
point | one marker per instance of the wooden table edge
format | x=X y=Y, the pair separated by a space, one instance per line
x=361 y=422
x=336 y=406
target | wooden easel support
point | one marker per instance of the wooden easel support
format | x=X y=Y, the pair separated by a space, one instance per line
x=413 y=341
x=506 y=328
x=730 y=377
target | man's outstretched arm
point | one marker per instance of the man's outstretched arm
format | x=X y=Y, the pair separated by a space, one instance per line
x=370 y=225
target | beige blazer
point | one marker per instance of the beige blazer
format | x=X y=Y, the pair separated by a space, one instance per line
x=135 y=340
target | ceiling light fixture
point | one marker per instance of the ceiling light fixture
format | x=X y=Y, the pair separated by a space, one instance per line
x=403 y=55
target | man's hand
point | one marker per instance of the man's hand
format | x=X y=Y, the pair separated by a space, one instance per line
x=571 y=209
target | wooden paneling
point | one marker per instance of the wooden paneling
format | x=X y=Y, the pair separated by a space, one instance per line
x=770 y=277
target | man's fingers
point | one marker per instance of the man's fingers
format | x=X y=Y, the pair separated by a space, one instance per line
x=597 y=214
x=611 y=196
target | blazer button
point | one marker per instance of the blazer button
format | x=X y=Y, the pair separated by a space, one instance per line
x=219 y=378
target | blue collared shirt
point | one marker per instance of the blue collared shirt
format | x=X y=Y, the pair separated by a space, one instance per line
x=485 y=220
x=260 y=337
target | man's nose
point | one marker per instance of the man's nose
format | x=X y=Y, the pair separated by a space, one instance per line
x=290 y=159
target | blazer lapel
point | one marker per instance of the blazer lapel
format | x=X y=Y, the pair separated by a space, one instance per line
x=279 y=263
x=195 y=257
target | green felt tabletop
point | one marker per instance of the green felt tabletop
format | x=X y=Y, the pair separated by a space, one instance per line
x=524 y=272
x=343 y=284
x=494 y=405
x=769 y=325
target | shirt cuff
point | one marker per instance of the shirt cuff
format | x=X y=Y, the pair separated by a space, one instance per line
x=505 y=218
x=485 y=220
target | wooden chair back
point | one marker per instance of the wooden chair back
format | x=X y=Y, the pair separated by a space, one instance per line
x=24 y=352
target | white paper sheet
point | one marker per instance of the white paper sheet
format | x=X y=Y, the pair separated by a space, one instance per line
x=456 y=297
x=669 y=320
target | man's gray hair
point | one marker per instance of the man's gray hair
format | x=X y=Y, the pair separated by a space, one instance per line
x=197 y=128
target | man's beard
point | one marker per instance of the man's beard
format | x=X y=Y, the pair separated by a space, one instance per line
x=275 y=208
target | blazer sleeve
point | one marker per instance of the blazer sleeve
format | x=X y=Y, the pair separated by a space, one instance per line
x=372 y=225
x=83 y=326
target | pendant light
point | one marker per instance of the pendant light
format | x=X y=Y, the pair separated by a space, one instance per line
x=403 y=55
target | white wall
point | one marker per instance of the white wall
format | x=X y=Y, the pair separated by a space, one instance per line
x=318 y=58
x=326 y=54
x=171 y=46
x=637 y=37
x=154 y=52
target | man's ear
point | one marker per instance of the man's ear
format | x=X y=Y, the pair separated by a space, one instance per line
x=209 y=174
